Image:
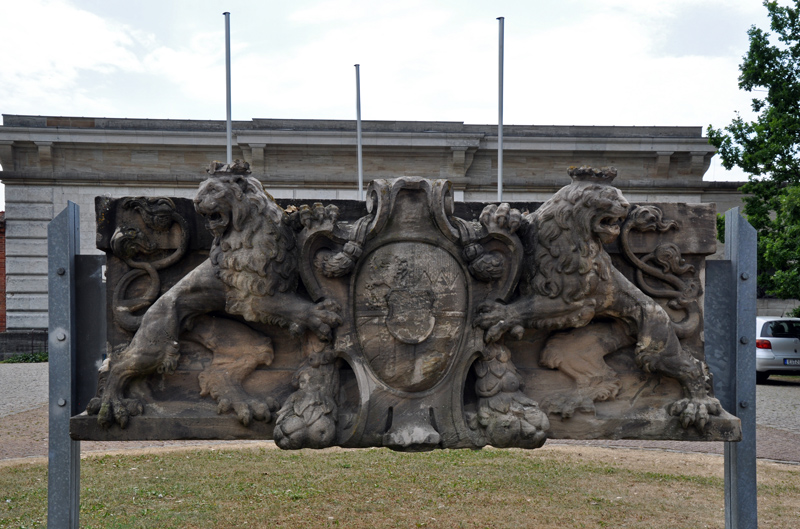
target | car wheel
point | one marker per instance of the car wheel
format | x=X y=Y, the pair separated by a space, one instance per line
x=761 y=377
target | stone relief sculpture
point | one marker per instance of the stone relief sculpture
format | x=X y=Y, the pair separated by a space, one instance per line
x=251 y=272
x=571 y=285
x=403 y=325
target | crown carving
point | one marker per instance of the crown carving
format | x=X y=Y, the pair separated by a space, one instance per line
x=584 y=173
x=236 y=167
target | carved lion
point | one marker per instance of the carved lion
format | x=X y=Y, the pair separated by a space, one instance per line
x=569 y=284
x=251 y=272
x=254 y=251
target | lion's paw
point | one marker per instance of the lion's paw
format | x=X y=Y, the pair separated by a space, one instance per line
x=500 y=218
x=696 y=411
x=497 y=319
x=230 y=395
x=114 y=410
x=93 y=408
x=323 y=318
x=566 y=404
x=315 y=216
x=248 y=410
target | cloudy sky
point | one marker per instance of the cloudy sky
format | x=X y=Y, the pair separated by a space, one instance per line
x=567 y=62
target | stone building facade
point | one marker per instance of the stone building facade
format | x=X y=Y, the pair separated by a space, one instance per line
x=48 y=161
x=2 y=271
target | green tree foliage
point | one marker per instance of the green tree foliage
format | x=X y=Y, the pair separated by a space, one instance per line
x=782 y=250
x=767 y=148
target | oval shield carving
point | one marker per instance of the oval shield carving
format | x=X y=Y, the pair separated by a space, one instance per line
x=410 y=317
x=410 y=309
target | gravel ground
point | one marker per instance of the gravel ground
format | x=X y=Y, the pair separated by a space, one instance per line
x=23 y=387
x=778 y=403
x=23 y=421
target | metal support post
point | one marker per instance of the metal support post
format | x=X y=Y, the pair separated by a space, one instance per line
x=64 y=454
x=730 y=352
x=501 y=53
x=228 y=148
x=358 y=134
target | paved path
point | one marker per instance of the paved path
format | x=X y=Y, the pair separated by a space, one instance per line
x=23 y=421
x=778 y=404
x=23 y=387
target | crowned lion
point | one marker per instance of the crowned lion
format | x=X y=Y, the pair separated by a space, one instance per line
x=252 y=273
x=569 y=284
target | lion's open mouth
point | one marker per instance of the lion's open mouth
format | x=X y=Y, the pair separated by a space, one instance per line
x=216 y=222
x=607 y=227
x=611 y=220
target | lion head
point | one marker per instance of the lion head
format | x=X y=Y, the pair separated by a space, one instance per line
x=127 y=242
x=566 y=237
x=253 y=251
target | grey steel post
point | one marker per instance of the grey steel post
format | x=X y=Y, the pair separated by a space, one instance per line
x=358 y=133
x=64 y=454
x=500 y=117
x=229 y=151
x=741 y=504
x=730 y=326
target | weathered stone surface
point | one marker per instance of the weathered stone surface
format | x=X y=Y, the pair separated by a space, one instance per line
x=407 y=321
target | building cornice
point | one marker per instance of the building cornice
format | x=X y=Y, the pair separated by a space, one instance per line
x=17 y=136
x=192 y=179
x=334 y=125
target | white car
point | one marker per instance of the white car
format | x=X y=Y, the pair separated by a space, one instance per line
x=777 y=347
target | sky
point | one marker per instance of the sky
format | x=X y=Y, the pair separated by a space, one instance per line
x=567 y=62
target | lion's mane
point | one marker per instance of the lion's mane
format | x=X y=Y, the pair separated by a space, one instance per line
x=566 y=257
x=256 y=256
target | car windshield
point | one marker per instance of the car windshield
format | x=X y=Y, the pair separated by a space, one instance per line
x=781 y=329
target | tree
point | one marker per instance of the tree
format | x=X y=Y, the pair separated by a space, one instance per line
x=768 y=148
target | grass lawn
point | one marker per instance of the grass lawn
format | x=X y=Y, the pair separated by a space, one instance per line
x=557 y=486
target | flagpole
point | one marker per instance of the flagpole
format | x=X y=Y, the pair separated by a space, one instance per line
x=500 y=118
x=229 y=151
x=358 y=133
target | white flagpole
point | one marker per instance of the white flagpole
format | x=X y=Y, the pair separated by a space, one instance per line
x=358 y=133
x=500 y=118
x=228 y=83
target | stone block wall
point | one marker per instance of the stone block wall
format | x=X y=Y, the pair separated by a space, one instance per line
x=776 y=307
x=2 y=271
x=28 y=211
x=30 y=341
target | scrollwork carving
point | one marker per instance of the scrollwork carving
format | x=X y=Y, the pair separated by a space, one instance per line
x=665 y=264
x=158 y=215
